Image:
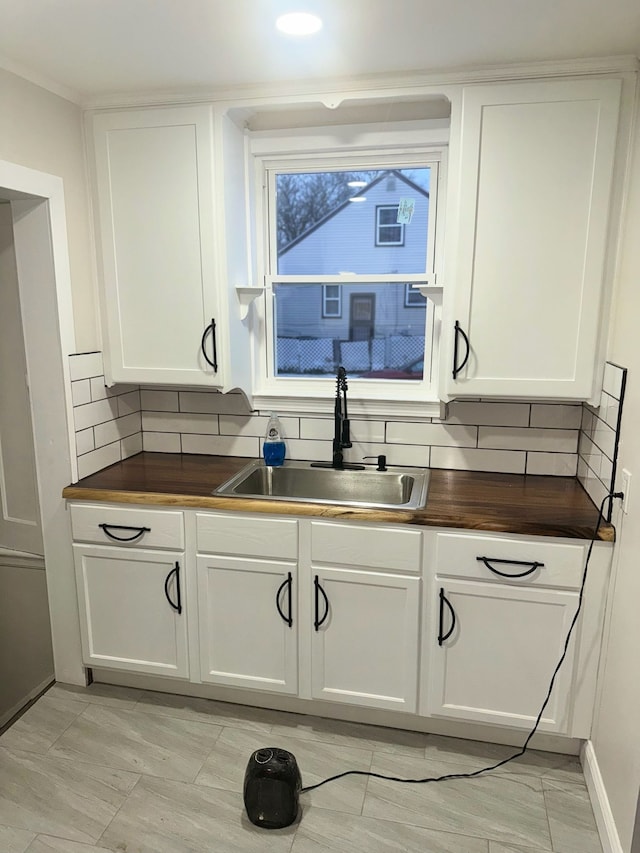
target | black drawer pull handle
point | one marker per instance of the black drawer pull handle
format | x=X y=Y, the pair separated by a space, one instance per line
x=213 y=363
x=177 y=605
x=458 y=367
x=289 y=584
x=138 y=531
x=444 y=600
x=318 y=623
x=532 y=566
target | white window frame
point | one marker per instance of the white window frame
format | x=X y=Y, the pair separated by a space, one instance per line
x=403 y=145
x=381 y=226
x=326 y=314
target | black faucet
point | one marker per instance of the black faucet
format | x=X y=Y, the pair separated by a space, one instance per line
x=341 y=428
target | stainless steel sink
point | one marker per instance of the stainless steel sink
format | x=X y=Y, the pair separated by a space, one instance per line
x=398 y=488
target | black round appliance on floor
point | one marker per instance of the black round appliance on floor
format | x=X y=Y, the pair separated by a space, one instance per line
x=272 y=785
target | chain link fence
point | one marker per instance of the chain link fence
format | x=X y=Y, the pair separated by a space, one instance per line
x=321 y=356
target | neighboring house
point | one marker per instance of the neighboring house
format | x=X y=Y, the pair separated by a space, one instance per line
x=363 y=238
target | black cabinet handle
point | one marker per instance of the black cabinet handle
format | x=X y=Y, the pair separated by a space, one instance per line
x=458 y=367
x=532 y=566
x=318 y=623
x=138 y=531
x=444 y=600
x=214 y=363
x=177 y=605
x=288 y=583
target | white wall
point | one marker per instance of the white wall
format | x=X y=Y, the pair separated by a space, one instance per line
x=44 y=131
x=616 y=736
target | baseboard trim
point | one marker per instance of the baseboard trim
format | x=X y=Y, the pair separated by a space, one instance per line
x=609 y=837
x=31 y=695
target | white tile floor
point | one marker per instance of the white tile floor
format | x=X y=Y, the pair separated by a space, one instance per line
x=114 y=769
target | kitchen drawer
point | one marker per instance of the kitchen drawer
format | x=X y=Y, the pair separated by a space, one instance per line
x=457 y=555
x=129 y=527
x=218 y=533
x=363 y=545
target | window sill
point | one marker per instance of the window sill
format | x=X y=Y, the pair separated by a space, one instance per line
x=388 y=409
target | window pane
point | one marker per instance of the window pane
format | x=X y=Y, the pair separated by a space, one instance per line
x=376 y=337
x=326 y=227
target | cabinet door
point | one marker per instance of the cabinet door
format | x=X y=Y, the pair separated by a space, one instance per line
x=154 y=177
x=132 y=609
x=364 y=647
x=248 y=623
x=528 y=253
x=492 y=650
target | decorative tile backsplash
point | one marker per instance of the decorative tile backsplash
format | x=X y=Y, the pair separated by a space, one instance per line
x=599 y=437
x=114 y=423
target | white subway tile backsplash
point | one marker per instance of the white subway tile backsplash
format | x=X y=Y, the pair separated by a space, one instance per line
x=591 y=454
x=559 y=416
x=473 y=459
x=84 y=441
x=81 y=392
x=489 y=414
x=435 y=434
x=129 y=403
x=221 y=445
x=361 y=430
x=95 y=413
x=161 y=442
x=609 y=410
x=96 y=460
x=117 y=429
x=594 y=487
x=413 y=455
x=180 y=422
x=604 y=437
x=131 y=445
x=213 y=402
x=557 y=464
x=99 y=390
x=313 y=451
x=256 y=425
x=612 y=382
x=512 y=438
x=85 y=365
x=159 y=401
x=317 y=429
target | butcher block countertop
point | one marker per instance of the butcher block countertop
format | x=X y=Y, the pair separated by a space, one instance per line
x=506 y=503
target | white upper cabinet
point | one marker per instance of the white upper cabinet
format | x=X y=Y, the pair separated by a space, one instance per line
x=526 y=241
x=169 y=261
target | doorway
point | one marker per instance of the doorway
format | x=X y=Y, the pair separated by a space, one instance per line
x=362 y=315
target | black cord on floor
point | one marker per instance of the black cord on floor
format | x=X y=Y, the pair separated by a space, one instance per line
x=523 y=749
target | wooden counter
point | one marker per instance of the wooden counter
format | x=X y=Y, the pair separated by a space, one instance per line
x=507 y=503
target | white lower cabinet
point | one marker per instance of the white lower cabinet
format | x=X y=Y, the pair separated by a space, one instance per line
x=454 y=625
x=365 y=641
x=494 y=650
x=132 y=609
x=248 y=623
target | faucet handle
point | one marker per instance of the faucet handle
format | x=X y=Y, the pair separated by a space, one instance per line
x=382 y=461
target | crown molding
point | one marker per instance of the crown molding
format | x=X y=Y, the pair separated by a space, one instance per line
x=331 y=92
x=41 y=80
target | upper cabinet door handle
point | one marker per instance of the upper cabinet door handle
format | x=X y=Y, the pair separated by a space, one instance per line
x=458 y=367
x=138 y=531
x=532 y=566
x=213 y=362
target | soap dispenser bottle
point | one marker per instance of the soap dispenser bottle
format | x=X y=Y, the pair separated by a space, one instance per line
x=273 y=448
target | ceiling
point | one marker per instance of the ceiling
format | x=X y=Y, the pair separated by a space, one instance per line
x=88 y=49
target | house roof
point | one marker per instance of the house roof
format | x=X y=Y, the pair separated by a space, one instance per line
x=345 y=203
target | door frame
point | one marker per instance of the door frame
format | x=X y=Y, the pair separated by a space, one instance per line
x=44 y=281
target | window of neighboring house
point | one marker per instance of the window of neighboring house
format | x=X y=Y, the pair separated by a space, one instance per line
x=334 y=296
x=388 y=231
x=331 y=300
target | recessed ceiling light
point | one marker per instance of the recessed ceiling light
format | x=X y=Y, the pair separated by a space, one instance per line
x=299 y=24
x=358 y=198
x=356 y=183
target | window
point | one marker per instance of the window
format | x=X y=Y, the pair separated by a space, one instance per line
x=334 y=295
x=331 y=300
x=388 y=231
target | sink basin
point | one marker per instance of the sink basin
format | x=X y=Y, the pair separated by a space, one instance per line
x=398 y=488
